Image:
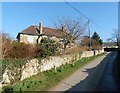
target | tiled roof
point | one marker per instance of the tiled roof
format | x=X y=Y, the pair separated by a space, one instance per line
x=30 y=30
x=33 y=30
x=53 y=32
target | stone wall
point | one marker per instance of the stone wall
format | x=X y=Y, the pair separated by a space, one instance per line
x=87 y=54
x=32 y=67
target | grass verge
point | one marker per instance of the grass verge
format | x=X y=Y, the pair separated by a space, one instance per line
x=45 y=80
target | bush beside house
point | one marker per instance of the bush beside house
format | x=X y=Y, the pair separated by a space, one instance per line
x=47 y=47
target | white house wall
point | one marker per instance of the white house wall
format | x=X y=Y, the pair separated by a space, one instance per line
x=28 y=38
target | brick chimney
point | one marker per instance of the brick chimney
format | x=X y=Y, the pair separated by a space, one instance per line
x=64 y=28
x=40 y=27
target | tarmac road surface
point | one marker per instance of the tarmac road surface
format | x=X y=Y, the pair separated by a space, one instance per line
x=88 y=77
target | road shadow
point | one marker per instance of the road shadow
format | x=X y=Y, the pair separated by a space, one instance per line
x=90 y=83
x=117 y=70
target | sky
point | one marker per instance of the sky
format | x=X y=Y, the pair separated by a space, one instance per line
x=17 y=16
x=59 y=0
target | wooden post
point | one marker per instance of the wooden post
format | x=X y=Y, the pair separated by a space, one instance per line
x=89 y=34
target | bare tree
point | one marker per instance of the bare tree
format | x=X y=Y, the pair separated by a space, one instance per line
x=6 y=44
x=74 y=29
x=115 y=37
x=85 y=41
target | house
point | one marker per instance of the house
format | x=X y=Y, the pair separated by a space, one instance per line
x=34 y=34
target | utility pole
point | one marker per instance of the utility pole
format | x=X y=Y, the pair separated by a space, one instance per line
x=118 y=38
x=89 y=34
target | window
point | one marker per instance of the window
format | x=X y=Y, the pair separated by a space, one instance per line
x=30 y=39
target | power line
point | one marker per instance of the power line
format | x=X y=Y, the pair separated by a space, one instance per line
x=101 y=27
x=76 y=10
x=87 y=17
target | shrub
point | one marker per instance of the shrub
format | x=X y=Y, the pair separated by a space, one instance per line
x=6 y=44
x=20 y=50
x=10 y=63
x=46 y=48
x=8 y=89
x=14 y=49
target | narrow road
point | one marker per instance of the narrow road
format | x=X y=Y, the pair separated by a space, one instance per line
x=86 y=78
x=107 y=82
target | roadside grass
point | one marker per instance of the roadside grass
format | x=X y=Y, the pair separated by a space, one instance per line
x=47 y=79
